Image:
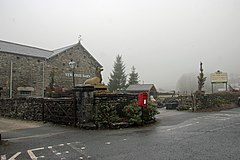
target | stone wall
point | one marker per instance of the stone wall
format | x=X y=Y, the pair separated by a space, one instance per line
x=22 y=108
x=26 y=72
x=67 y=111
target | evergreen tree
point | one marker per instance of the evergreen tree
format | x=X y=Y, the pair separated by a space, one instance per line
x=118 y=77
x=201 y=79
x=133 y=77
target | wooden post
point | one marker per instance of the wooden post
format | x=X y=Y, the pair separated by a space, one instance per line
x=212 y=87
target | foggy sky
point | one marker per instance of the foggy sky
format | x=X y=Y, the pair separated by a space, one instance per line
x=163 y=39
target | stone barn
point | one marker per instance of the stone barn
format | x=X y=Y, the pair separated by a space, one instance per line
x=28 y=71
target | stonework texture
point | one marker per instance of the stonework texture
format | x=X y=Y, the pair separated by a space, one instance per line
x=38 y=72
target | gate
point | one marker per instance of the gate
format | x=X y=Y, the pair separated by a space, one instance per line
x=61 y=111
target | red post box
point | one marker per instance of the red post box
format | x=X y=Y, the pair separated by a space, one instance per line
x=142 y=99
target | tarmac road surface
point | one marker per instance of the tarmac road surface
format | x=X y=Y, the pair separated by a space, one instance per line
x=176 y=135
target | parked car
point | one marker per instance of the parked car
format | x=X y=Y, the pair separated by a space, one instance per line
x=173 y=104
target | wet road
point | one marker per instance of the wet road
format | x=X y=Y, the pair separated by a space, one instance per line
x=176 y=135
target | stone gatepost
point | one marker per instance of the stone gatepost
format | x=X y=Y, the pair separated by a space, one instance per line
x=84 y=96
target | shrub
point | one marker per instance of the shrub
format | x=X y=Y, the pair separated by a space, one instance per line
x=134 y=113
x=218 y=99
x=107 y=115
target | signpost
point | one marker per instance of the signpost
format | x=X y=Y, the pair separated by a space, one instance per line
x=219 y=77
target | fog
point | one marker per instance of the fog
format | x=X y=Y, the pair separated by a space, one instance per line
x=163 y=39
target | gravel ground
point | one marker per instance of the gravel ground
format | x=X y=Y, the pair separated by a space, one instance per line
x=13 y=124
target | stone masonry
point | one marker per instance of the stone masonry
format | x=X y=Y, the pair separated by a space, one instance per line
x=36 y=71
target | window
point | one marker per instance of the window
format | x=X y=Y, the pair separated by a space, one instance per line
x=25 y=93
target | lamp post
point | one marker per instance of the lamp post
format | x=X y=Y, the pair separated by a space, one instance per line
x=72 y=65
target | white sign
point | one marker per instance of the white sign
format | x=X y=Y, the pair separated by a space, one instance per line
x=77 y=75
x=219 y=77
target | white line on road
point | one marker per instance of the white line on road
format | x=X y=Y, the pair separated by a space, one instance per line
x=190 y=124
x=76 y=148
x=3 y=157
x=183 y=126
x=32 y=155
x=15 y=156
x=34 y=136
x=80 y=150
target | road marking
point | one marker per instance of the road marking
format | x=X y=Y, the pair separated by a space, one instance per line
x=80 y=150
x=3 y=157
x=190 y=124
x=222 y=119
x=35 y=136
x=107 y=143
x=75 y=148
x=57 y=153
x=183 y=126
x=220 y=128
x=83 y=148
x=32 y=155
x=13 y=157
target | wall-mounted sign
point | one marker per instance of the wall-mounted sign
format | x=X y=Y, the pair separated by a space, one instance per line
x=77 y=75
x=25 y=89
x=219 y=77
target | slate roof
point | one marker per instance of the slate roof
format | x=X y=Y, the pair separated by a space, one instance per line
x=140 y=87
x=25 y=50
x=57 y=51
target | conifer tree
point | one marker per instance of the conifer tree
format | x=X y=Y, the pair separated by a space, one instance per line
x=201 y=79
x=118 y=77
x=133 y=77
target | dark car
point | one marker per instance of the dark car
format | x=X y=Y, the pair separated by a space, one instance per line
x=173 y=104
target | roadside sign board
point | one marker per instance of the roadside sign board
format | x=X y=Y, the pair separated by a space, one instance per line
x=219 y=77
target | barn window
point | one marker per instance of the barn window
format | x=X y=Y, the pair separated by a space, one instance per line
x=25 y=93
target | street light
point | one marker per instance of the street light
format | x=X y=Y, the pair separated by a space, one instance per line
x=72 y=65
